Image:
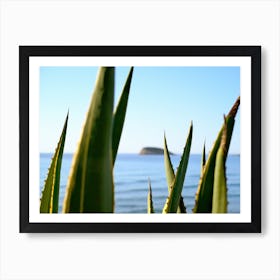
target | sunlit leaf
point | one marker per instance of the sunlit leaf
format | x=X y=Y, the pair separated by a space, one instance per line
x=90 y=186
x=173 y=200
x=50 y=194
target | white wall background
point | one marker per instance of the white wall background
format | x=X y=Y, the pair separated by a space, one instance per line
x=139 y=256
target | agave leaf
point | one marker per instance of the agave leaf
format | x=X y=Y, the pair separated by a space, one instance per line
x=150 y=207
x=170 y=176
x=50 y=194
x=182 y=207
x=169 y=171
x=203 y=159
x=204 y=194
x=90 y=186
x=219 y=203
x=173 y=199
x=119 y=115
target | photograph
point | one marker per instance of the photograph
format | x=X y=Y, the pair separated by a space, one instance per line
x=139 y=139
x=132 y=155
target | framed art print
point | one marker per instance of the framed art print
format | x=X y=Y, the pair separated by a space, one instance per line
x=140 y=138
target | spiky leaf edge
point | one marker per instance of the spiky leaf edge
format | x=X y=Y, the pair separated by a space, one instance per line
x=204 y=194
x=170 y=175
x=219 y=204
x=172 y=202
x=50 y=194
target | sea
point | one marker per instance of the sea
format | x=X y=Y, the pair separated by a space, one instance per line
x=131 y=175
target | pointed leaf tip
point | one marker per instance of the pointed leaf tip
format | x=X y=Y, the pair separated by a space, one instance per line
x=150 y=207
x=234 y=109
x=169 y=171
x=50 y=195
x=119 y=115
x=90 y=187
x=173 y=200
x=204 y=194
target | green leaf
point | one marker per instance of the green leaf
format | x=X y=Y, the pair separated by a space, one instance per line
x=182 y=207
x=204 y=194
x=90 y=187
x=50 y=194
x=150 y=207
x=169 y=171
x=219 y=203
x=173 y=199
x=203 y=159
x=119 y=115
x=170 y=176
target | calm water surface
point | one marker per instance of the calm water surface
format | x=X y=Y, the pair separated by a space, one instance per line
x=131 y=175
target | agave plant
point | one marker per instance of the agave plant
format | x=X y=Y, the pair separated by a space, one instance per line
x=204 y=194
x=211 y=195
x=90 y=186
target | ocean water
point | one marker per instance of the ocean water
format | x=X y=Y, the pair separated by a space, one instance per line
x=131 y=173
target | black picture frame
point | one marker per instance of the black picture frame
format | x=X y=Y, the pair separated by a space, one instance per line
x=254 y=52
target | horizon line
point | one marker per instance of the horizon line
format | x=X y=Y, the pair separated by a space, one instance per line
x=133 y=153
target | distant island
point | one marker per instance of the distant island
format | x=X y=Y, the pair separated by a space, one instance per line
x=152 y=151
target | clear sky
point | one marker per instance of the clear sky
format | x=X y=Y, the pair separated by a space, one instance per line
x=161 y=99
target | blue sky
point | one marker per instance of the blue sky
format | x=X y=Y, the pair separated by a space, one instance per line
x=161 y=99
